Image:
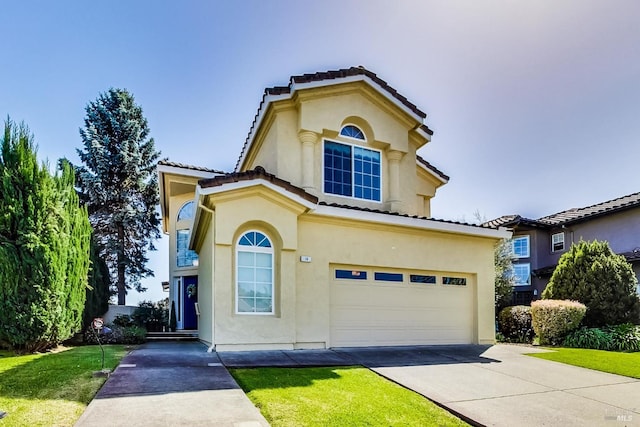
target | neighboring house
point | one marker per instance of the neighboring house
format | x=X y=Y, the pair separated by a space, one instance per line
x=322 y=235
x=539 y=243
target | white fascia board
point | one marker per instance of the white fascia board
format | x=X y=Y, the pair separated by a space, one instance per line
x=423 y=224
x=268 y=99
x=435 y=175
x=174 y=170
x=423 y=134
x=254 y=183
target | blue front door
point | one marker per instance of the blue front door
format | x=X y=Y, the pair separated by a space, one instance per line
x=190 y=297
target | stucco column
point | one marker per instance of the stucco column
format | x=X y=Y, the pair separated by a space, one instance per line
x=394 y=157
x=308 y=140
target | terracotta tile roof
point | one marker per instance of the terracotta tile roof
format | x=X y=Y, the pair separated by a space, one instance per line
x=357 y=208
x=330 y=75
x=579 y=214
x=257 y=173
x=185 y=166
x=432 y=168
x=503 y=221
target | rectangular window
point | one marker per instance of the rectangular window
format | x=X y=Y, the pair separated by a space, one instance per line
x=389 y=277
x=186 y=257
x=351 y=171
x=351 y=274
x=557 y=242
x=255 y=282
x=419 y=278
x=458 y=281
x=522 y=274
x=520 y=246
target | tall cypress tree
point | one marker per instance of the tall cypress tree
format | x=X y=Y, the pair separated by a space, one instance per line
x=44 y=247
x=119 y=186
x=99 y=289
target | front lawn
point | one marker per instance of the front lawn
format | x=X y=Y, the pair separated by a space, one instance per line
x=627 y=364
x=342 y=396
x=51 y=389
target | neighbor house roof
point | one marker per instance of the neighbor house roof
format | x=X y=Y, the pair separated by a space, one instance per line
x=579 y=214
x=346 y=75
x=432 y=168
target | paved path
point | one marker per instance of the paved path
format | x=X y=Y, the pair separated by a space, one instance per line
x=171 y=384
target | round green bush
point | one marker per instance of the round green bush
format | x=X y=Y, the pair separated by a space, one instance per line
x=514 y=323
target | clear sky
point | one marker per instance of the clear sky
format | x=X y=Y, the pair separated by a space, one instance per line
x=535 y=105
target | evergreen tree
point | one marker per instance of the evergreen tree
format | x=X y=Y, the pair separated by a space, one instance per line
x=44 y=247
x=119 y=186
x=592 y=274
x=99 y=289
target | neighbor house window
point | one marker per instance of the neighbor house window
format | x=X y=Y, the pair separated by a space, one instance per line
x=522 y=274
x=557 y=242
x=186 y=211
x=521 y=246
x=186 y=257
x=352 y=132
x=351 y=171
x=254 y=274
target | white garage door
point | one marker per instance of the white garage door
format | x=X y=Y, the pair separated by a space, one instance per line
x=372 y=307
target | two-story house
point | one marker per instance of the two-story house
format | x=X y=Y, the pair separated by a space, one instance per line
x=322 y=236
x=538 y=244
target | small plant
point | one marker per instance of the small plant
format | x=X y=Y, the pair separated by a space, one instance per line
x=625 y=337
x=515 y=324
x=552 y=320
x=593 y=338
x=117 y=335
x=173 y=321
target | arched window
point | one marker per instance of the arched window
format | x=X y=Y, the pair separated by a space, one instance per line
x=254 y=274
x=186 y=211
x=352 y=131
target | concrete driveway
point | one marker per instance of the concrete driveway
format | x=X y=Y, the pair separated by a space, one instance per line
x=486 y=385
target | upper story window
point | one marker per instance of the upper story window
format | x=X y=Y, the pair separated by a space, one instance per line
x=352 y=171
x=186 y=211
x=557 y=242
x=186 y=257
x=254 y=274
x=520 y=246
x=352 y=131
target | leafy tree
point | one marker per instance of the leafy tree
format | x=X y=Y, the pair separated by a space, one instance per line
x=592 y=274
x=119 y=186
x=44 y=247
x=504 y=282
x=99 y=289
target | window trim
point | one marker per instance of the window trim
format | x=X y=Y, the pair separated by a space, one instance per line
x=513 y=246
x=255 y=249
x=324 y=141
x=553 y=243
x=528 y=283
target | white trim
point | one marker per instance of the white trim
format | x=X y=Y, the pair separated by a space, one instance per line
x=429 y=171
x=423 y=224
x=253 y=183
x=353 y=169
x=256 y=249
x=294 y=87
x=174 y=170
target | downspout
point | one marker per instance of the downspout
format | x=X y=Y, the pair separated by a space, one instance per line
x=212 y=347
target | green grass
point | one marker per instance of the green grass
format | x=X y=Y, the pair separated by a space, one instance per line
x=627 y=364
x=51 y=389
x=346 y=396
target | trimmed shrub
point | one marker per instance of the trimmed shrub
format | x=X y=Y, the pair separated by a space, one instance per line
x=117 y=335
x=590 y=272
x=151 y=316
x=552 y=320
x=123 y=320
x=514 y=324
x=594 y=338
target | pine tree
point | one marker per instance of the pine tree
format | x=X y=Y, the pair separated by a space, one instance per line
x=119 y=186
x=44 y=247
x=591 y=273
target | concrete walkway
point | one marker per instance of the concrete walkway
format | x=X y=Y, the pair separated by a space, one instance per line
x=171 y=384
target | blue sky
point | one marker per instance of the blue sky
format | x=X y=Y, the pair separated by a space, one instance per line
x=535 y=105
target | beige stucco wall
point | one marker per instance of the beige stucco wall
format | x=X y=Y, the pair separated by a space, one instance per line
x=205 y=287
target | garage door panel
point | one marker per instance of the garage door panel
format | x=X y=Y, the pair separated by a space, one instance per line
x=370 y=313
